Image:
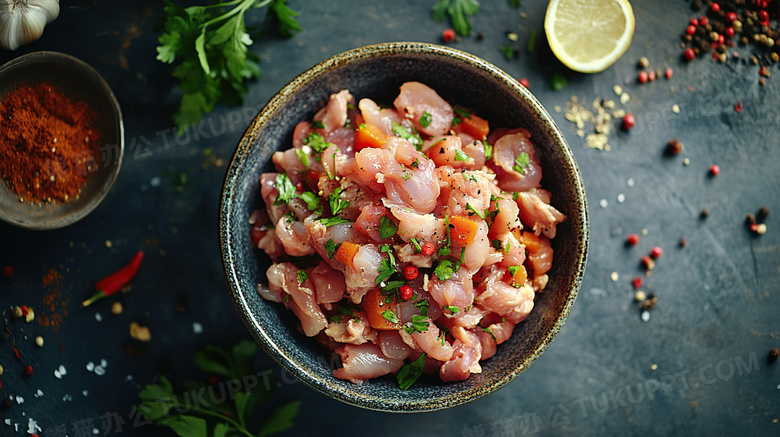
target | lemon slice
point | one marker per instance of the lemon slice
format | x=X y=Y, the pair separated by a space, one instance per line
x=589 y=35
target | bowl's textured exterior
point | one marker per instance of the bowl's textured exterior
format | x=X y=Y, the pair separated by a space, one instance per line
x=377 y=72
x=80 y=82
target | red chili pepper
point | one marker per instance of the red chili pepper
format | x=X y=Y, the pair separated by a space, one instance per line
x=115 y=281
x=17 y=354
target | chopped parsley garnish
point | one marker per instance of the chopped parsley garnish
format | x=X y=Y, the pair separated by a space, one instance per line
x=311 y=199
x=445 y=250
x=418 y=324
x=409 y=373
x=521 y=162
x=491 y=334
x=458 y=12
x=458 y=114
x=336 y=203
x=425 y=119
x=460 y=155
x=415 y=163
x=286 y=298
x=488 y=150
x=387 y=227
x=497 y=244
x=406 y=176
x=341 y=311
x=330 y=221
x=331 y=247
x=508 y=51
x=507 y=247
x=331 y=176
x=513 y=269
x=515 y=195
x=316 y=142
x=285 y=188
x=392 y=286
x=452 y=309
x=479 y=214
x=416 y=244
x=317 y=125
x=302 y=276
x=386 y=269
x=390 y=316
x=303 y=157
x=444 y=270
x=413 y=138
x=423 y=306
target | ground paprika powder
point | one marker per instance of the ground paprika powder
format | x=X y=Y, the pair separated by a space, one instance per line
x=47 y=148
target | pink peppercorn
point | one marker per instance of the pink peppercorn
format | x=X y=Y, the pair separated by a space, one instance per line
x=448 y=35
x=691 y=29
x=651 y=75
x=731 y=16
x=694 y=22
x=8 y=271
x=669 y=72
x=632 y=239
x=629 y=121
x=730 y=32
x=28 y=370
x=715 y=7
x=410 y=272
x=405 y=292
x=524 y=82
x=642 y=77
x=714 y=169
x=721 y=39
x=427 y=249
x=636 y=282
x=656 y=251
x=704 y=20
x=689 y=54
x=763 y=15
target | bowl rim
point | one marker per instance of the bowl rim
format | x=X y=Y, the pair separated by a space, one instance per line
x=226 y=240
x=102 y=86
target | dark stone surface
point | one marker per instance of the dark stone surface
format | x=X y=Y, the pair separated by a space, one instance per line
x=717 y=315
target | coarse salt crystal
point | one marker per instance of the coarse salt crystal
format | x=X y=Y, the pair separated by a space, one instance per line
x=95 y=431
x=645 y=316
x=8 y=421
x=197 y=328
x=19 y=400
x=98 y=317
x=100 y=370
x=85 y=392
x=155 y=181
x=60 y=372
x=90 y=366
x=603 y=203
x=32 y=426
x=38 y=393
x=103 y=363
x=67 y=398
x=128 y=378
x=630 y=182
x=621 y=198
x=614 y=276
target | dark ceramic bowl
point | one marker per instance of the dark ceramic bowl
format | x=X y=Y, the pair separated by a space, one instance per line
x=79 y=82
x=377 y=72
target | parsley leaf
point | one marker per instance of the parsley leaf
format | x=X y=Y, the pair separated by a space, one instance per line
x=285 y=188
x=444 y=270
x=317 y=125
x=416 y=244
x=418 y=324
x=404 y=133
x=311 y=199
x=331 y=247
x=316 y=142
x=284 y=18
x=507 y=51
x=497 y=244
x=452 y=309
x=521 y=163
x=390 y=316
x=303 y=158
x=423 y=306
x=387 y=227
x=513 y=269
x=488 y=151
x=302 y=276
x=460 y=155
x=330 y=221
x=415 y=163
x=458 y=12
x=558 y=82
x=425 y=119
x=409 y=373
x=336 y=204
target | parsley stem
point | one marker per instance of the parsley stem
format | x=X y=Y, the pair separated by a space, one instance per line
x=245 y=4
x=239 y=427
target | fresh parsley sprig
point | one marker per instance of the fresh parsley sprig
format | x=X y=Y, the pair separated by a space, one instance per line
x=210 y=44
x=160 y=405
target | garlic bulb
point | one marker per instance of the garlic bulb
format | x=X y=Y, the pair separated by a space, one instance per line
x=22 y=21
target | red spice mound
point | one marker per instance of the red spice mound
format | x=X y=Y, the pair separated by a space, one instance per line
x=47 y=149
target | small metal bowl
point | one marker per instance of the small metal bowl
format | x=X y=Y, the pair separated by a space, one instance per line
x=79 y=82
x=377 y=72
